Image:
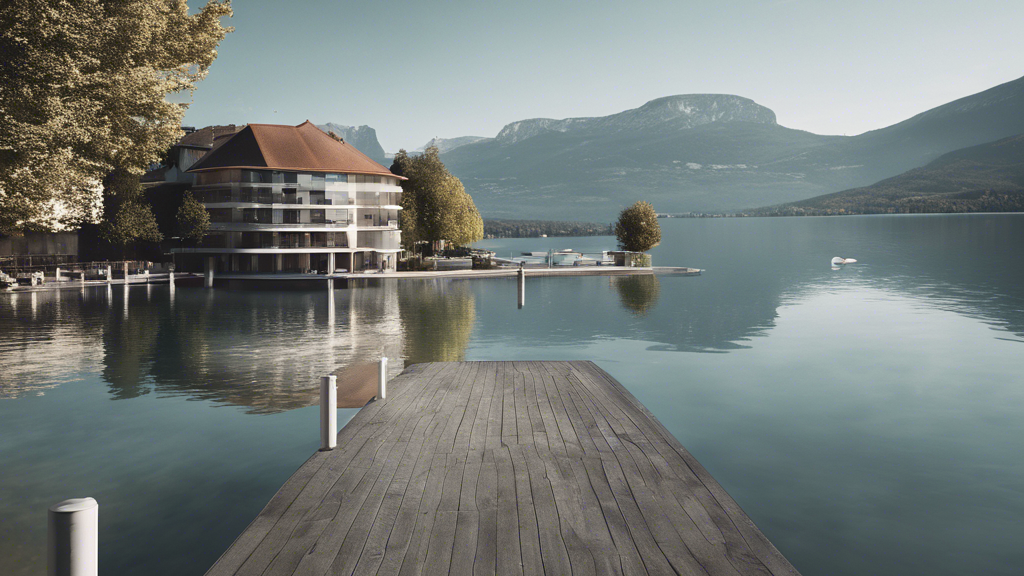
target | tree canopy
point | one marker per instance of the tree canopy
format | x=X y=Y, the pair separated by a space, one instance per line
x=637 y=229
x=193 y=219
x=83 y=92
x=435 y=205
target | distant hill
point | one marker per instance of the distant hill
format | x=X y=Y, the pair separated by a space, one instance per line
x=706 y=153
x=985 y=178
x=364 y=138
x=449 y=144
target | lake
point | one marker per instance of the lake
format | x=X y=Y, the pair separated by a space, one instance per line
x=868 y=419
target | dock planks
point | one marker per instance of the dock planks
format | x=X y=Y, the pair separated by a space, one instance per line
x=503 y=468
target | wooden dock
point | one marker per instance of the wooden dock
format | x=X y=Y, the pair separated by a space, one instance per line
x=503 y=468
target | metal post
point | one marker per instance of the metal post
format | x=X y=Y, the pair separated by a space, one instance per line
x=522 y=286
x=382 y=379
x=328 y=412
x=73 y=538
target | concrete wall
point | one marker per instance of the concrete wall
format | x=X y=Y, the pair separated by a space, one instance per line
x=33 y=243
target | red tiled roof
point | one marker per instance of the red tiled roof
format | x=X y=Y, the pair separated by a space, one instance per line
x=302 y=148
x=205 y=137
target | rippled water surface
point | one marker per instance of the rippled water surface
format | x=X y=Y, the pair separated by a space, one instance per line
x=867 y=419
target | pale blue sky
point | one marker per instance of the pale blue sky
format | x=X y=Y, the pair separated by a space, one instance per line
x=415 y=70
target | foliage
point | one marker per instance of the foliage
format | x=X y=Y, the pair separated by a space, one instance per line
x=536 y=228
x=435 y=204
x=637 y=229
x=132 y=222
x=83 y=87
x=193 y=219
x=127 y=218
x=408 y=216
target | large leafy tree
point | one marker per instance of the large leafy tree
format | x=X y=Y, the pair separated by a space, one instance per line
x=83 y=93
x=637 y=229
x=435 y=205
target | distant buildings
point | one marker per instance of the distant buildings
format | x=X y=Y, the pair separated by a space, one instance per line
x=289 y=199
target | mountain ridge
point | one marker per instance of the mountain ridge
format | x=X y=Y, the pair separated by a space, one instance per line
x=364 y=138
x=726 y=153
x=983 y=178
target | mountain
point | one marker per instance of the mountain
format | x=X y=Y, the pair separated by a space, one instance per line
x=984 y=178
x=449 y=144
x=706 y=153
x=363 y=138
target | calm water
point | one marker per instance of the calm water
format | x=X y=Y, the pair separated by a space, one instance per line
x=867 y=419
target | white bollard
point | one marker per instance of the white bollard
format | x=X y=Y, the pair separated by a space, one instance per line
x=328 y=412
x=73 y=538
x=56 y=275
x=110 y=274
x=382 y=379
x=170 y=279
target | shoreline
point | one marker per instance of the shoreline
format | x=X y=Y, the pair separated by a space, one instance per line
x=190 y=279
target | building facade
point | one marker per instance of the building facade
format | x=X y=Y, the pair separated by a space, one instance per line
x=291 y=199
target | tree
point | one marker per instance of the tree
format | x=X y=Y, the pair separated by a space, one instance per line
x=637 y=229
x=435 y=204
x=128 y=218
x=408 y=216
x=193 y=219
x=83 y=87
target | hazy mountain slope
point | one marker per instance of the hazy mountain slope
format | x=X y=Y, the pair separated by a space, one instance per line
x=985 y=178
x=697 y=152
x=706 y=153
x=449 y=144
x=364 y=138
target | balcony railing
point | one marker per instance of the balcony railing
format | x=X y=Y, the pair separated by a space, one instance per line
x=256 y=226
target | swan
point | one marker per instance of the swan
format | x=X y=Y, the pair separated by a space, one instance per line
x=840 y=260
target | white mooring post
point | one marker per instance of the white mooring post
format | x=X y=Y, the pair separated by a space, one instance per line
x=382 y=378
x=56 y=275
x=210 y=265
x=328 y=412
x=170 y=279
x=110 y=274
x=73 y=538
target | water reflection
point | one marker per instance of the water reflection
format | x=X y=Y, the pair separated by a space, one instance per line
x=265 y=350
x=638 y=294
x=438 y=316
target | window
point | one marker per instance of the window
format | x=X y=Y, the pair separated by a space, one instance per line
x=339 y=178
x=220 y=214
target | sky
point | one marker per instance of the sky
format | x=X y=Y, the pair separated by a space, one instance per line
x=420 y=69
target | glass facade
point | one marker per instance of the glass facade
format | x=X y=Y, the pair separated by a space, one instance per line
x=278 y=221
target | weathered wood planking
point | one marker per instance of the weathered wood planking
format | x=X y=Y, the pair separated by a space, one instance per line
x=503 y=468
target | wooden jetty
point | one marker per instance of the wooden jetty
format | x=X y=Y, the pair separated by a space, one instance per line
x=503 y=468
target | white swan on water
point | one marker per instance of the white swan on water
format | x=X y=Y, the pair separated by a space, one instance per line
x=840 y=260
